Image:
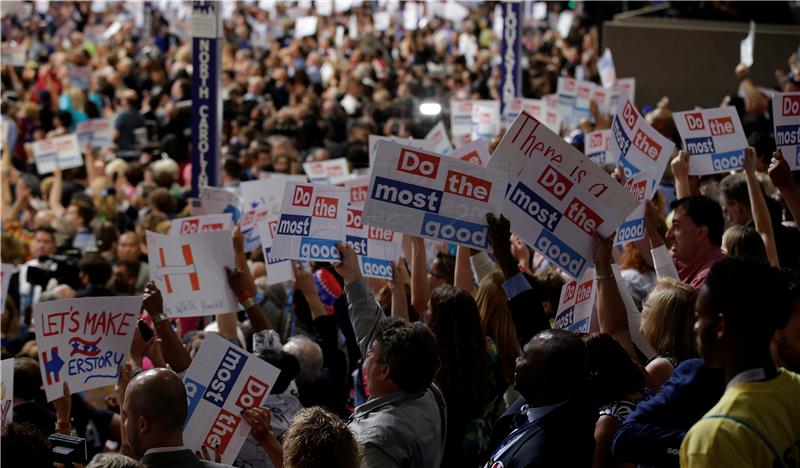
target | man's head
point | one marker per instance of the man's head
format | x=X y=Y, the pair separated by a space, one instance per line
x=80 y=213
x=123 y=277
x=95 y=270
x=786 y=341
x=741 y=304
x=734 y=199
x=442 y=270
x=402 y=357
x=697 y=226
x=27 y=379
x=308 y=354
x=319 y=438
x=43 y=243
x=552 y=367
x=154 y=410
x=128 y=247
x=161 y=201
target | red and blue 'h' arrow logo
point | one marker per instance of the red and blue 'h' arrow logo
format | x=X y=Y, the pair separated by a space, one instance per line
x=52 y=365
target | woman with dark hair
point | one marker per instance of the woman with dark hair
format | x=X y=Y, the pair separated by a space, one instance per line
x=465 y=375
x=616 y=385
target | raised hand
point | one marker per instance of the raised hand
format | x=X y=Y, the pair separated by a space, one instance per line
x=348 y=268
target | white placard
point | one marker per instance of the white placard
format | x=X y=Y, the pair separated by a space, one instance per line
x=260 y=199
x=624 y=87
x=83 y=342
x=605 y=66
x=460 y=121
x=220 y=200
x=476 y=152
x=786 y=118
x=714 y=139
x=376 y=247
x=222 y=381
x=14 y=54
x=305 y=26
x=279 y=270
x=63 y=152
x=382 y=20
x=6 y=392
x=432 y=196
x=747 y=45
x=203 y=223
x=560 y=197
x=424 y=145
x=190 y=272
x=596 y=146
x=356 y=186
x=439 y=140
x=485 y=119
x=312 y=222
x=576 y=303
x=322 y=171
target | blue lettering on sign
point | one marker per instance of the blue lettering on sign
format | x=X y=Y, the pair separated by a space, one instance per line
x=312 y=248
x=628 y=169
x=224 y=378
x=535 y=207
x=294 y=225
x=630 y=231
x=562 y=254
x=703 y=145
x=565 y=318
x=454 y=230
x=566 y=100
x=581 y=326
x=194 y=393
x=408 y=195
x=797 y=156
x=270 y=259
x=786 y=135
x=598 y=157
x=109 y=363
x=359 y=244
x=376 y=267
x=620 y=137
x=730 y=161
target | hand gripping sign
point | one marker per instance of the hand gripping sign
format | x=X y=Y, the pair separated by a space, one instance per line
x=560 y=198
x=223 y=381
x=432 y=196
x=83 y=342
x=577 y=303
x=190 y=272
x=786 y=115
x=312 y=221
x=714 y=139
x=203 y=223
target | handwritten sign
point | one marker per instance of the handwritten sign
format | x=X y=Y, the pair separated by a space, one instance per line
x=6 y=392
x=476 y=152
x=322 y=171
x=279 y=270
x=597 y=147
x=190 y=272
x=714 y=139
x=63 y=152
x=560 y=197
x=312 y=221
x=261 y=198
x=83 y=342
x=576 y=303
x=440 y=142
x=203 y=223
x=219 y=200
x=786 y=115
x=222 y=381
x=432 y=196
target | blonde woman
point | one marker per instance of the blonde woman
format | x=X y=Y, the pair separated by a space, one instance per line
x=497 y=322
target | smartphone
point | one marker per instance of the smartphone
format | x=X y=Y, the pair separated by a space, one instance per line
x=145 y=330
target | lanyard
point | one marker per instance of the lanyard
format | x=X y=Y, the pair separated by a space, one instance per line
x=752 y=375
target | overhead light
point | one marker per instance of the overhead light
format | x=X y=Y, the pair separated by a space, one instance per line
x=430 y=108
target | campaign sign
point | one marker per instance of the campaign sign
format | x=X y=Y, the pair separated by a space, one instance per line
x=623 y=88
x=460 y=122
x=203 y=223
x=356 y=186
x=190 y=272
x=440 y=142
x=574 y=98
x=83 y=342
x=260 y=199
x=223 y=381
x=63 y=152
x=550 y=113
x=596 y=144
x=220 y=200
x=476 y=152
x=311 y=223
x=6 y=392
x=279 y=270
x=534 y=107
x=322 y=171
x=425 y=145
x=786 y=115
x=576 y=303
x=560 y=198
x=376 y=247
x=485 y=119
x=101 y=133
x=714 y=139
x=432 y=196
x=606 y=69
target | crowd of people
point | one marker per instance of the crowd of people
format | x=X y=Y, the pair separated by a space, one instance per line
x=456 y=361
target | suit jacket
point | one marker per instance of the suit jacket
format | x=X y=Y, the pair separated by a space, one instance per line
x=564 y=437
x=184 y=458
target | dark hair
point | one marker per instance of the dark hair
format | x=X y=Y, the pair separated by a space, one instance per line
x=163 y=201
x=27 y=379
x=734 y=188
x=612 y=372
x=85 y=210
x=25 y=445
x=131 y=267
x=752 y=296
x=233 y=168
x=97 y=268
x=288 y=365
x=764 y=144
x=448 y=265
x=560 y=360
x=410 y=351
x=105 y=235
x=744 y=241
x=456 y=323
x=47 y=230
x=703 y=211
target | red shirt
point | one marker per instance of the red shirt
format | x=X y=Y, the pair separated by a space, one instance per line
x=695 y=273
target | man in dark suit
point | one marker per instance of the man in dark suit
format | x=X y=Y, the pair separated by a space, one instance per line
x=153 y=412
x=550 y=425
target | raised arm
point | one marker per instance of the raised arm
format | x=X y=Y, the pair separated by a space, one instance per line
x=398 y=285
x=463 y=274
x=755 y=103
x=611 y=313
x=56 y=191
x=420 y=289
x=781 y=175
x=680 y=170
x=758 y=206
x=304 y=282
x=661 y=259
x=365 y=313
x=174 y=353
x=243 y=286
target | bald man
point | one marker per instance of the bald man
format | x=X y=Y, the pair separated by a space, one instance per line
x=153 y=412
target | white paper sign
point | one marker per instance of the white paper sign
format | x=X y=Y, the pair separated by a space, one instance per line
x=605 y=66
x=356 y=186
x=95 y=132
x=596 y=146
x=279 y=270
x=63 y=152
x=485 y=119
x=376 y=247
x=220 y=200
x=786 y=116
x=576 y=303
x=424 y=145
x=260 y=199
x=322 y=171
x=440 y=142
x=13 y=54
x=624 y=87
x=747 y=45
x=574 y=98
x=382 y=20
x=312 y=222
x=203 y=223
x=83 y=342
x=432 y=196
x=460 y=121
x=305 y=26
x=190 y=272
x=476 y=152
x=714 y=139
x=6 y=392
x=560 y=198
x=222 y=381
x=5 y=279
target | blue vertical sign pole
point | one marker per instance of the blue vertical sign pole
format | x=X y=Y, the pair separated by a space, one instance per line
x=206 y=98
x=510 y=50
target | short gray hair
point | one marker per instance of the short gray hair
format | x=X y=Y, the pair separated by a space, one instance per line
x=309 y=353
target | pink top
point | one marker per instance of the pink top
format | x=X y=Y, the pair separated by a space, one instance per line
x=696 y=272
